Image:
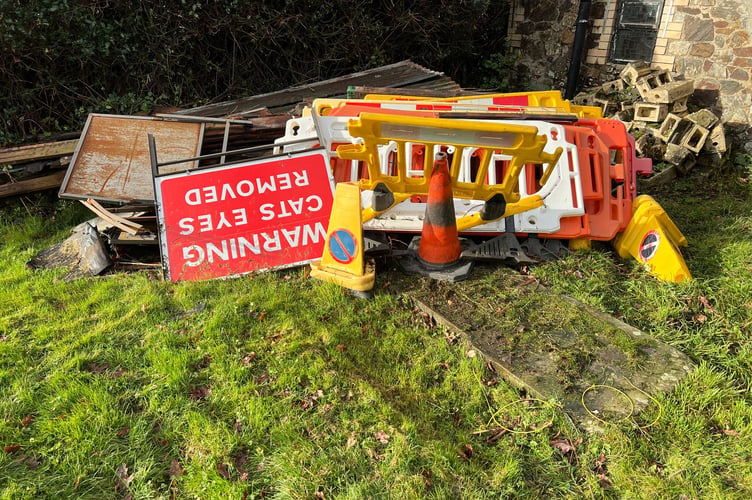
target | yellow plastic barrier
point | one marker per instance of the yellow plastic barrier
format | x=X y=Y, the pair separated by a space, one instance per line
x=543 y=99
x=653 y=239
x=343 y=262
x=520 y=142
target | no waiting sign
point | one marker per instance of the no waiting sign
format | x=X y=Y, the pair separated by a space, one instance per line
x=236 y=219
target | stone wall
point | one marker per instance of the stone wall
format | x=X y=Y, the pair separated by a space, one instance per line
x=709 y=41
x=715 y=49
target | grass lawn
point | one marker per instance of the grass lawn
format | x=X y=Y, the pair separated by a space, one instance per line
x=279 y=386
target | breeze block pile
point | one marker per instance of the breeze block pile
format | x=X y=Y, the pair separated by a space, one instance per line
x=656 y=106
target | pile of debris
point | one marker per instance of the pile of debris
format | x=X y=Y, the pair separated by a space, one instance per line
x=653 y=104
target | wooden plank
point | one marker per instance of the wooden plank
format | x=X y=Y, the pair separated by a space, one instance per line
x=119 y=222
x=35 y=152
x=51 y=181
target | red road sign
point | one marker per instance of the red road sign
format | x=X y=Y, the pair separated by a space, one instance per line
x=236 y=219
x=649 y=245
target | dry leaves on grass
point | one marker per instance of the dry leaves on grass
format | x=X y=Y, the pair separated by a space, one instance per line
x=200 y=393
x=26 y=421
x=382 y=437
x=123 y=479
x=601 y=471
x=565 y=446
x=466 y=452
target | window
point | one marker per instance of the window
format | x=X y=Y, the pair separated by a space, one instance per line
x=636 y=30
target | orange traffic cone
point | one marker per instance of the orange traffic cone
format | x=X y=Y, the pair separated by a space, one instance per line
x=439 y=242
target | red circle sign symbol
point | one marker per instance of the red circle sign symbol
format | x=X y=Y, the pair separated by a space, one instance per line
x=649 y=245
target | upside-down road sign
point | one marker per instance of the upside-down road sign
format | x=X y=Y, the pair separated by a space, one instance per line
x=235 y=219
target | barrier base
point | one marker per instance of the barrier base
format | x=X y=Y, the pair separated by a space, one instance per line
x=358 y=283
x=410 y=263
x=503 y=248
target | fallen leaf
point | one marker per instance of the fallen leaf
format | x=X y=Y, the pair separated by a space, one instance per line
x=382 y=436
x=12 y=448
x=222 y=469
x=466 y=452
x=200 y=393
x=123 y=479
x=94 y=368
x=707 y=304
x=261 y=316
x=731 y=432
x=123 y=432
x=117 y=373
x=700 y=318
x=351 y=441
x=603 y=480
x=27 y=421
x=176 y=470
x=32 y=462
x=565 y=446
x=249 y=357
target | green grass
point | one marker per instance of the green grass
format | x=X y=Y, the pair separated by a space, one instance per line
x=278 y=386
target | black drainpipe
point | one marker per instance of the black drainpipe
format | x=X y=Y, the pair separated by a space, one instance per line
x=583 y=20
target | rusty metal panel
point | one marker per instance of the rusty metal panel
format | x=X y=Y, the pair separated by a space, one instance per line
x=112 y=163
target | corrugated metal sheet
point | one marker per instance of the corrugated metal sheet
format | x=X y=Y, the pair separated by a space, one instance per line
x=401 y=74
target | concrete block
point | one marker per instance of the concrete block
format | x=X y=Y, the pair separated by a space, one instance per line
x=634 y=71
x=679 y=107
x=694 y=137
x=716 y=142
x=679 y=156
x=704 y=118
x=673 y=125
x=650 y=146
x=607 y=107
x=670 y=92
x=585 y=99
x=613 y=87
x=648 y=112
x=647 y=84
x=626 y=114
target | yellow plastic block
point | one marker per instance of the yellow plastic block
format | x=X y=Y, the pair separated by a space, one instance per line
x=343 y=262
x=652 y=238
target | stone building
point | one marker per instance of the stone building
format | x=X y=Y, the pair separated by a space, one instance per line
x=708 y=41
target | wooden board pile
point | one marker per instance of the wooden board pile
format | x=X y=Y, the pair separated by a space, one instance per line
x=655 y=105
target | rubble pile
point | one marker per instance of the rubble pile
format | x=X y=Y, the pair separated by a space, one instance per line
x=653 y=104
